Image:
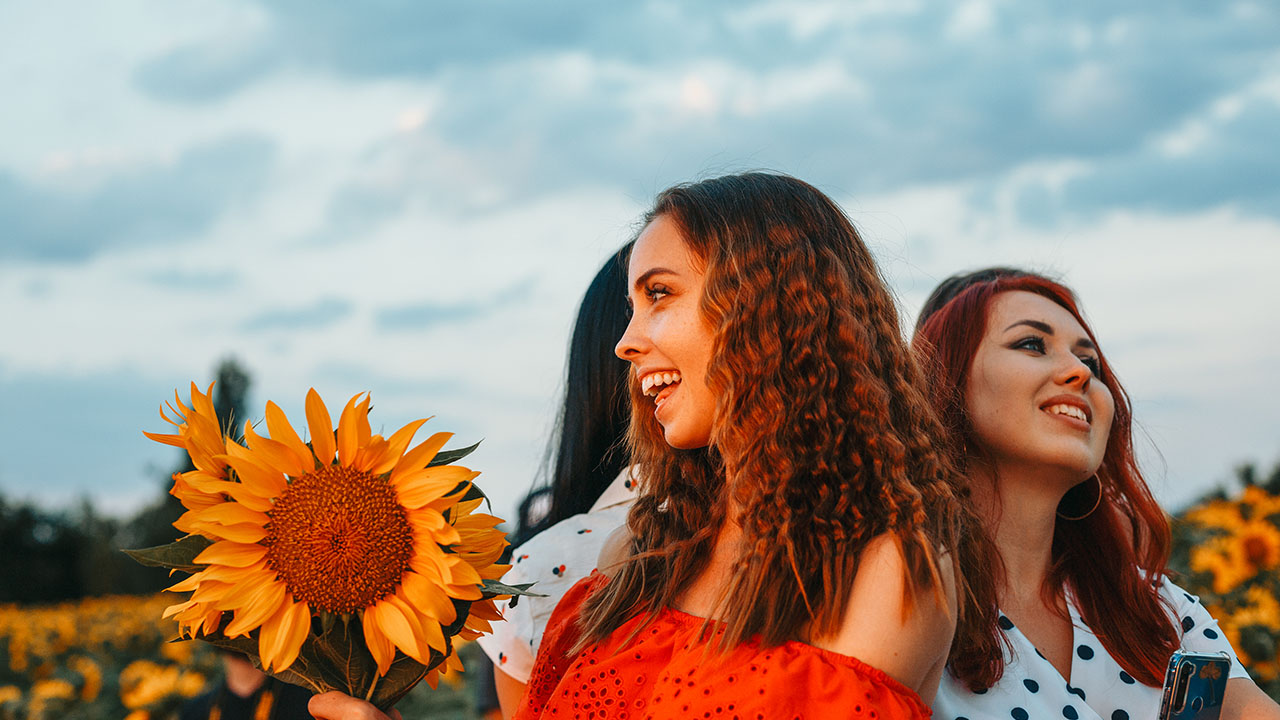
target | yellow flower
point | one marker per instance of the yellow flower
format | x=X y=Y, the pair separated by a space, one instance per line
x=92 y=674
x=1216 y=514
x=9 y=693
x=1261 y=502
x=1262 y=609
x=353 y=524
x=1252 y=548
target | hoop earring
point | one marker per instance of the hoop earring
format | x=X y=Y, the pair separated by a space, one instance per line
x=1096 y=502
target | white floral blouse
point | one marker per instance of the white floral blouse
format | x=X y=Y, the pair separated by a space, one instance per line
x=1100 y=689
x=554 y=560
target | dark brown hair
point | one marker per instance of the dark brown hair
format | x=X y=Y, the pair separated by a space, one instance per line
x=1113 y=558
x=823 y=436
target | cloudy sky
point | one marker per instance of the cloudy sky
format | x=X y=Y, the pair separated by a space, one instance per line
x=409 y=198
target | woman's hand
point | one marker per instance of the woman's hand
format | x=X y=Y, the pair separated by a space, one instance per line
x=336 y=706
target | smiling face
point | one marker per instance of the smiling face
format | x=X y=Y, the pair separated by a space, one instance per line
x=1033 y=394
x=668 y=341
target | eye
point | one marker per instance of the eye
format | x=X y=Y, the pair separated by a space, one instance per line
x=1094 y=365
x=656 y=292
x=1034 y=343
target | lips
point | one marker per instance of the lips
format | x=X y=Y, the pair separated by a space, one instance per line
x=1069 y=406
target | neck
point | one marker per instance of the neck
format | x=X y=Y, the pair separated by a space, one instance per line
x=1020 y=507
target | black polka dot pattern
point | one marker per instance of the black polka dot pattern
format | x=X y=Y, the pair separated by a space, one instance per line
x=1099 y=688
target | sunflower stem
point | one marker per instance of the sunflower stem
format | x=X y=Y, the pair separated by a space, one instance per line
x=368 y=697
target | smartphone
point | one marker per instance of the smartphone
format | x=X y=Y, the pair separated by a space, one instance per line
x=1194 y=685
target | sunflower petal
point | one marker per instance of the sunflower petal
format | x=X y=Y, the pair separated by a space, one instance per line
x=232 y=513
x=263 y=481
x=174 y=440
x=276 y=455
x=379 y=645
x=349 y=431
x=282 y=432
x=398 y=628
x=282 y=636
x=266 y=602
x=417 y=458
x=242 y=533
x=320 y=427
x=395 y=447
x=232 y=553
x=428 y=598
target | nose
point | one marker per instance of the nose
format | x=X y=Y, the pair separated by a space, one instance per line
x=1075 y=373
x=630 y=344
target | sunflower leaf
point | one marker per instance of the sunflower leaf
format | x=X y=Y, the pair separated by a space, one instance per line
x=493 y=588
x=180 y=555
x=448 y=457
x=404 y=674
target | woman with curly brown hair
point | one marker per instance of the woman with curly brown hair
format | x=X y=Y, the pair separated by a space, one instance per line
x=791 y=552
x=794 y=548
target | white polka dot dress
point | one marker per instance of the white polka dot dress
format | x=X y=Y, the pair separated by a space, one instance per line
x=554 y=560
x=1099 y=689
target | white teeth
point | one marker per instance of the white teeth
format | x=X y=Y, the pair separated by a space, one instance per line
x=1070 y=410
x=650 y=384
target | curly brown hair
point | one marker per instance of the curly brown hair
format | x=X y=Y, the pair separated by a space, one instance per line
x=822 y=439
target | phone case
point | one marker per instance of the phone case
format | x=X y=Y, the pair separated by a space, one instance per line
x=1196 y=692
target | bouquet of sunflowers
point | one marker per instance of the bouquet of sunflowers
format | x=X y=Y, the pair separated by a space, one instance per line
x=347 y=563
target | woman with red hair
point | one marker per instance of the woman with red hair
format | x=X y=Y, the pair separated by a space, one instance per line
x=1086 y=615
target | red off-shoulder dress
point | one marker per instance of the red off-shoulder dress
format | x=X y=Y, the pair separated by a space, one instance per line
x=664 y=672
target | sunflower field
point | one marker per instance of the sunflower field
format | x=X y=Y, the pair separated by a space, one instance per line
x=1227 y=550
x=109 y=658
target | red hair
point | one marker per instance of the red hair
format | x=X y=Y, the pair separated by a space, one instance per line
x=1113 y=558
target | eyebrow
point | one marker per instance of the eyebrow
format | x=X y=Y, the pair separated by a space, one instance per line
x=1047 y=329
x=640 y=281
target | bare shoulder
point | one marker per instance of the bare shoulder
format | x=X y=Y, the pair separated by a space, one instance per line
x=616 y=549
x=906 y=636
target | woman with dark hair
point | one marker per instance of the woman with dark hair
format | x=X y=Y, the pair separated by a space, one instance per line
x=590 y=489
x=1043 y=428
x=791 y=551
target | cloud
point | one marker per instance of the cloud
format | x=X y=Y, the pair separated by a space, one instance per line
x=163 y=203
x=858 y=99
x=206 y=72
x=319 y=315
x=420 y=316
x=194 y=280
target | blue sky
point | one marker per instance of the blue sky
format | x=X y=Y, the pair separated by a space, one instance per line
x=409 y=198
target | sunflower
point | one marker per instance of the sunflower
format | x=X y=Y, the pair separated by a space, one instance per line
x=1253 y=548
x=352 y=525
x=1222 y=514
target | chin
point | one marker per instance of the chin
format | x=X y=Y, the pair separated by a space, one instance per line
x=684 y=441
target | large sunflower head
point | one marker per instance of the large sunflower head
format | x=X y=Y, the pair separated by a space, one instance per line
x=351 y=525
